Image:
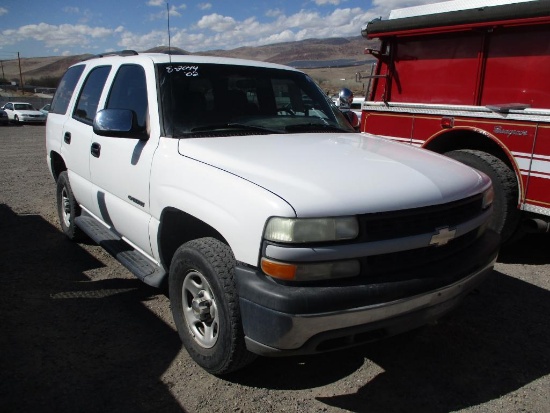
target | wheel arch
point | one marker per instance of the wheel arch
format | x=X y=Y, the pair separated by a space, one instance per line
x=178 y=227
x=57 y=164
x=475 y=139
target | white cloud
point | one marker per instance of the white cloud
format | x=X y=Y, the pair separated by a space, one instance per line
x=53 y=36
x=325 y=2
x=383 y=7
x=3 y=11
x=174 y=12
x=217 y=23
x=156 y=3
x=284 y=36
x=211 y=31
x=273 y=13
x=85 y=15
x=134 y=41
x=72 y=10
x=224 y=32
x=185 y=40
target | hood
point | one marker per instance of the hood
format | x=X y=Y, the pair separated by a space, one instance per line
x=28 y=112
x=318 y=174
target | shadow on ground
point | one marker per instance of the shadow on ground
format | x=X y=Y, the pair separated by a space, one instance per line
x=533 y=249
x=70 y=343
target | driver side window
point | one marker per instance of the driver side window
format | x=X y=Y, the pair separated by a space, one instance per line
x=129 y=91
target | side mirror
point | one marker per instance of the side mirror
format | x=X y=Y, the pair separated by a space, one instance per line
x=118 y=123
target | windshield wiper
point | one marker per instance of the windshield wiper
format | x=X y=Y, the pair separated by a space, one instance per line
x=233 y=125
x=315 y=126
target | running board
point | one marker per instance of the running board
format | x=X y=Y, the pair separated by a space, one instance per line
x=132 y=259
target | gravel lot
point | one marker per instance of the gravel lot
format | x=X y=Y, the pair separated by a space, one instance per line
x=80 y=334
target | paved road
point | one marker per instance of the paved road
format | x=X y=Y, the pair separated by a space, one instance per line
x=80 y=334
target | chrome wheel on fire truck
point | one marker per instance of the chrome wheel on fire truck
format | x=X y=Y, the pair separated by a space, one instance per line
x=506 y=215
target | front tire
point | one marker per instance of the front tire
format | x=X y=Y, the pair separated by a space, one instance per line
x=205 y=306
x=67 y=207
x=506 y=215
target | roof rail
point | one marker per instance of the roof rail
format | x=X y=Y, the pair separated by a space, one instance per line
x=119 y=53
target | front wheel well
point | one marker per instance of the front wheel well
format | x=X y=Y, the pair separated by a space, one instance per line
x=481 y=152
x=461 y=139
x=177 y=228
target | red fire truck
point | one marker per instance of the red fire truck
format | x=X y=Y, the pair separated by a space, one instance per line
x=471 y=79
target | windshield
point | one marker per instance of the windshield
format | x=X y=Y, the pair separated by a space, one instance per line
x=23 y=106
x=220 y=100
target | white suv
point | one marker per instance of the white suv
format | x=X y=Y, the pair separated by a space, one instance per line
x=277 y=229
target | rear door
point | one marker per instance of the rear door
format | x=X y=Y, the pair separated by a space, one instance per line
x=77 y=132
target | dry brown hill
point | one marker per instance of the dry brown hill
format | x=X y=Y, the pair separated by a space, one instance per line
x=329 y=61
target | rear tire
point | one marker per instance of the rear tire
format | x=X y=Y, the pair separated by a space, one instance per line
x=205 y=306
x=67 y=207
x=506 y=215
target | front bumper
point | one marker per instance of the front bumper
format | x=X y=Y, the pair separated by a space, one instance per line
x=282 y=319
x=32 y=120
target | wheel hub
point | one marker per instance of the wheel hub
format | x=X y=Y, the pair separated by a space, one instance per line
x=202 y=306
x=66 y=208
x=200 y=309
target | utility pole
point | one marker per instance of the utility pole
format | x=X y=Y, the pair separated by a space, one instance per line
x=20 y=75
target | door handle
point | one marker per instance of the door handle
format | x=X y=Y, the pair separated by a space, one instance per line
x=67 y=138
x=96 y=149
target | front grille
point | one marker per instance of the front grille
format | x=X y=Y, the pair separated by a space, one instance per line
x=405 y=264
x=402 y=224
x=415 y=262
x=399 y=224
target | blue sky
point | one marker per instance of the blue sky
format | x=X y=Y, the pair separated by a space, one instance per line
x=52 y=27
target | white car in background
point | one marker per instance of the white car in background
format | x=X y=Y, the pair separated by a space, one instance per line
x=21 y=112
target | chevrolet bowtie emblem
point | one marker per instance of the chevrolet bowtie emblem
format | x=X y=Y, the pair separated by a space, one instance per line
x=442 y=236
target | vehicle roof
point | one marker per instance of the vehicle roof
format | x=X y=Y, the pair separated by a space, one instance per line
x=446 y=6
x=535 y=11
x=183 y=59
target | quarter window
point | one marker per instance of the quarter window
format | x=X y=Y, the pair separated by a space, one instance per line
x=65 y=90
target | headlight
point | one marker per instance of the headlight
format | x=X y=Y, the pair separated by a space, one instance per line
x=488 y=197
x=301 y=230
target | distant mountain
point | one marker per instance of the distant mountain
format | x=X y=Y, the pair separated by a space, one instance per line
x=166 y=49
x=310 y=55
x=347 y=51
x=47 y=66
x=311 y=50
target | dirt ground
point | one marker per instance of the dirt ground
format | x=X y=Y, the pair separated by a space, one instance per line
x=79 y=334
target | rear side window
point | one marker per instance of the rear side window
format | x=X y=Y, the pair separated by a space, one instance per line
x=86 y=106
x=65 y=90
